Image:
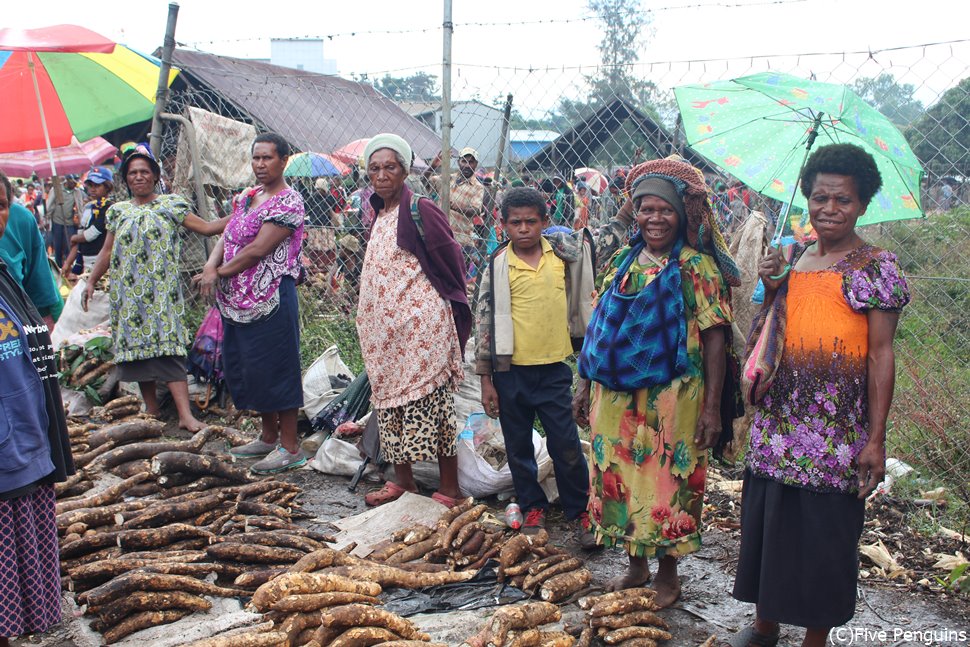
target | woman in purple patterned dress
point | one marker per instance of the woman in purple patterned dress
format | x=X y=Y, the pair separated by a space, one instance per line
x=255 y=266
x=818 y=437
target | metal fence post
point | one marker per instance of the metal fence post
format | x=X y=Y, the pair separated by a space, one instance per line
x=161 y=94
x=445 y=188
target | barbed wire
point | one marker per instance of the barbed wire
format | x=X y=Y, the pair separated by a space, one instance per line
x=506 y=23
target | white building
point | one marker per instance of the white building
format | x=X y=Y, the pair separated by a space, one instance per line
x=301 y=54
x=473 y=124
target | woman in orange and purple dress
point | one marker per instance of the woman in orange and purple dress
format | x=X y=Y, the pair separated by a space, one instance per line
x=818 y=436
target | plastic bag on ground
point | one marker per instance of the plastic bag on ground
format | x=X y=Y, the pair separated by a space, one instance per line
x=337 y=457
x=324 y=381
x=481 y=442
x=74 y=319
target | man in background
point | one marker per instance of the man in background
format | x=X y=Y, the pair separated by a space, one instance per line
x=63 y=208
x=467 y=205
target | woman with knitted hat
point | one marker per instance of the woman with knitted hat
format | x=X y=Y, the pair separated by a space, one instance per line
x=413 y=321
x=653 y=366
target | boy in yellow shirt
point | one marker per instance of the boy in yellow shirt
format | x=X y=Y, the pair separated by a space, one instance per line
x=534 y=303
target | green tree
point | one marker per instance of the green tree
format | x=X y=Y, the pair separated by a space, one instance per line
x=625 y=28
x=417 y=87
x=891 y=98
x=941 y=137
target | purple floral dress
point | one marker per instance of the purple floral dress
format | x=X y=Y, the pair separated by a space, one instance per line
x=254 y=293
x=814 y=420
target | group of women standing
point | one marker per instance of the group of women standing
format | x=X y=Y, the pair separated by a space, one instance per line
x=818 y=437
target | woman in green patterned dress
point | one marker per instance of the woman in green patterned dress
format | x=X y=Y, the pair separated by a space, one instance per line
x=648 y=459
x=143 y=247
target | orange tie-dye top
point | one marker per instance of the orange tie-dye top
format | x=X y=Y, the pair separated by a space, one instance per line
x=814 y=420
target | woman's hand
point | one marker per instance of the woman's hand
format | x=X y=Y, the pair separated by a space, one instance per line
x=708 y=429
x=489 y=397
x=207 y=280
x=86 y=295
x=773 y=264
x=581 y=404
x=872 y=467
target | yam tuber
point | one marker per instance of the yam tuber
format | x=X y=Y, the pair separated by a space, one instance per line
x=187 y=462
x=414 y=551
x=104 y=497
x=143 y=620
x=618 y=636
x=255 y=578
x=315 y=601
x=131 y=582
x=362 y=615
x=462 y=520
x=623 y=605
x=165 y=512
x=520 y=616
x=136 y=451
x=565 y=566
x=592 y=600
x=248 y=639
x=323 y=558
x=363 y=637
x=629 y=620
x=127 y=432
x=560 y=587
x=298 y=583
x=546 y=562
x=115 y=612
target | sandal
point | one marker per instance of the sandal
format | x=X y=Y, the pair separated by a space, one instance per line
x=446 y=501
x=390 y=492
x=751 y=636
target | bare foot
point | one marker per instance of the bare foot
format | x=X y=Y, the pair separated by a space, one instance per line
x=190 y=424
x=636 y=575
x=667 y=583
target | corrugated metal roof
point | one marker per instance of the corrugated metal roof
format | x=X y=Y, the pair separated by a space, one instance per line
x=314 y=112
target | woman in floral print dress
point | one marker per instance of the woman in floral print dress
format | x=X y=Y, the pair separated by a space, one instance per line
x=818 y=437
x=143 y=249
x=648 y=462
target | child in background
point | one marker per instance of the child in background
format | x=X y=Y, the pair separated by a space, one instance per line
x=86 y=244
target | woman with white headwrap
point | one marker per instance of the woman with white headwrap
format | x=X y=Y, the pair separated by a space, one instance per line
x=413 y=320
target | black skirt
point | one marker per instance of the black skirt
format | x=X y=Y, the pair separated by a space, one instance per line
x=261 y=360
x=799 y=558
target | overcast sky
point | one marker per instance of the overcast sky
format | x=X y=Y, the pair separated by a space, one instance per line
x=684 y=30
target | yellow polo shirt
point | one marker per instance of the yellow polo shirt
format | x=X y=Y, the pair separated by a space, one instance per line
x=539 y=309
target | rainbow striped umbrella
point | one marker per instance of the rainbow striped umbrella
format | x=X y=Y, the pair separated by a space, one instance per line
x=67 y=81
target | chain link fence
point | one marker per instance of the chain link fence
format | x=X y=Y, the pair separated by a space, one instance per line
x=583 y=125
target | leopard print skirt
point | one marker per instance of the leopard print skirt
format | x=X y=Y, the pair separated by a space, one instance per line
x=420 y=430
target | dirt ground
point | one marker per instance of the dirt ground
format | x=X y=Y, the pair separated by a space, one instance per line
x=706 y=606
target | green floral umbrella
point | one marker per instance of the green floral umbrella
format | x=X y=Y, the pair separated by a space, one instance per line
x=760 y=128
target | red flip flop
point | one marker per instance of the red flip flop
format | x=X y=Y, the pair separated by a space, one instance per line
x=446 y=500
x=390 y=492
